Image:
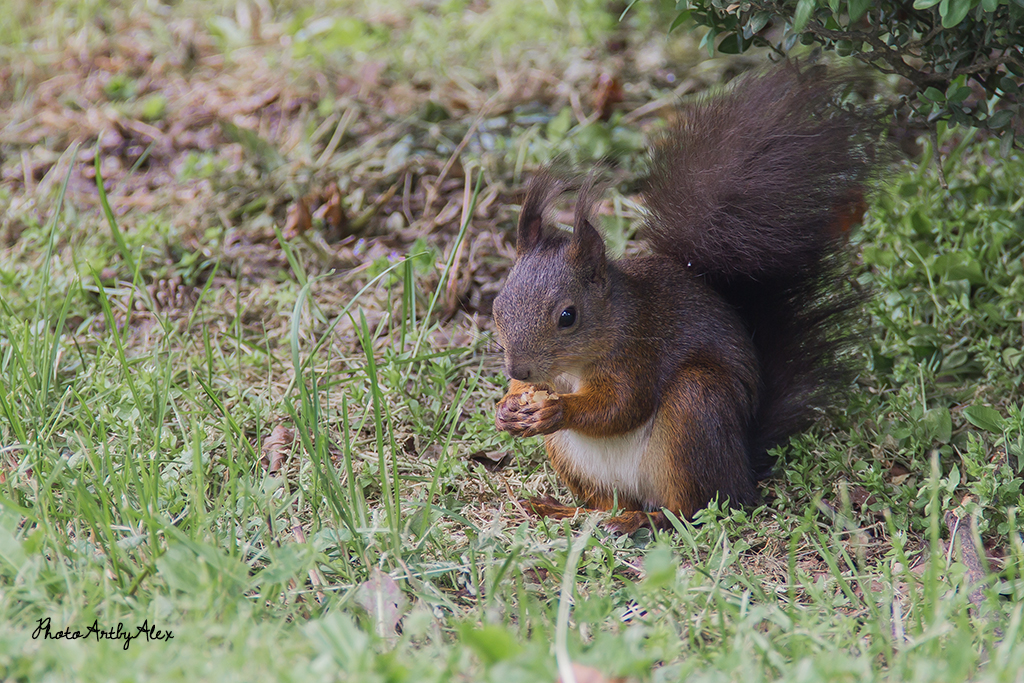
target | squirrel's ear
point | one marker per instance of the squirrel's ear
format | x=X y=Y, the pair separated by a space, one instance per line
x=543 y=189
x=586 y=249
x=531 y=228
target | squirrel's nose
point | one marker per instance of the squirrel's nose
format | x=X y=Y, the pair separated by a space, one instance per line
x=519 y=372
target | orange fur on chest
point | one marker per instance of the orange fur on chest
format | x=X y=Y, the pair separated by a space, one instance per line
x=665 y=461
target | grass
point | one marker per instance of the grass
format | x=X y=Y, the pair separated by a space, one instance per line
x=156 y=358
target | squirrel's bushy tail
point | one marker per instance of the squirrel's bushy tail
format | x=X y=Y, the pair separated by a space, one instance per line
x=754 y=190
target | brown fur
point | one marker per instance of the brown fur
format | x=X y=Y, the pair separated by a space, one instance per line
x=681 y=369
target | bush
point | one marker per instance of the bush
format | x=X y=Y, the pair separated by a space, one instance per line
x=963 y=58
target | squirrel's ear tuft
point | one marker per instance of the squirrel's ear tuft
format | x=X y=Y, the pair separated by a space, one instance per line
x=531 y=224
x=586 y=250
x=543 y=190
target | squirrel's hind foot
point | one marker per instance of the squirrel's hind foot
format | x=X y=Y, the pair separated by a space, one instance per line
x=627 y=522
x=546 y=506
x=631 y=521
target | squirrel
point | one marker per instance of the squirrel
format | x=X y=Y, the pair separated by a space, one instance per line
x=663 y=380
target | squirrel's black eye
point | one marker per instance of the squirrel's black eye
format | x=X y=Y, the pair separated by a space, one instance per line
x=568 y=317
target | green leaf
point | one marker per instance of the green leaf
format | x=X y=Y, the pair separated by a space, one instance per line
x=732 y=44
x=956 y=11
x=938 y=424
x=985 y=418
x=921 y=225
x=877 y=256
x=11 y=550
x=709 y=40
x=660 y=567
x=803 y=14
x=594 y=140
x=153 y=107
x=953 y=480
x=757 y=22
x=857 y=9
x=990 y=5
x=1006 y=143
x=680 y=19
x=1000 y=119
x=959 y=266
x=958 y=94
x=593 y=610
x=559 y=126
x=1009 y=85
x=956 y=362
x=338 y=636
x=925 y=4
x=492 y=643
x=265 y=152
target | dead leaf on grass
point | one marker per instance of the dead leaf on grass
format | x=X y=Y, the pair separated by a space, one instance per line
x=536 y=574
x=299 y=220
x=332 y=214
x=861 y=497
x=384 y=601
x=276 y=448
x=588 y=674
x=607 y=93
x=493 y=461
x=897 y=474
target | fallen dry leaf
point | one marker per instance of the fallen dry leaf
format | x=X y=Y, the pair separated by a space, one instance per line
x=860 y=496
x=275 y=448
x=298 y=221
x=607 y=93
x=493 y=461
x=383 y=600
x=332 y=214
x=588 y=674
x=898 y=474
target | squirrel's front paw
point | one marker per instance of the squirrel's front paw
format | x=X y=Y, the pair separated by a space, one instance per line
x=529 y=413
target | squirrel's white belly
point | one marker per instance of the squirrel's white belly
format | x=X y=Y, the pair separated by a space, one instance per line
x=614 y=462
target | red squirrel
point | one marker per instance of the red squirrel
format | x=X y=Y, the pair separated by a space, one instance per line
x=662 y=381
